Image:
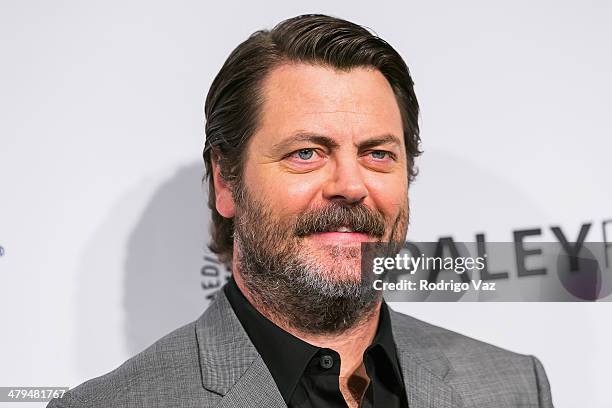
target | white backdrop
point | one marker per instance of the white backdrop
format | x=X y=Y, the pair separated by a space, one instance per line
x=103 y=221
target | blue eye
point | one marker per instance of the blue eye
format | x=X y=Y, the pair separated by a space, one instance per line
x=379 y=154
x=305 y=154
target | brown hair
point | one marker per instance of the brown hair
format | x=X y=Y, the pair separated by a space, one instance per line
x=234 y=99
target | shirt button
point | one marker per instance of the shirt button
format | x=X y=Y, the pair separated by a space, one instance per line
x=326 y=361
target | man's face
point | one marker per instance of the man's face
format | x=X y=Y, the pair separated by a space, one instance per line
x=328 y=153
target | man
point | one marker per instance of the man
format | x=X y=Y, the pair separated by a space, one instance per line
x=311 y=139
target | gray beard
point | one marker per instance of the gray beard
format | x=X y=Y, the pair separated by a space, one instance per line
x=298 y=293
x=285 y=281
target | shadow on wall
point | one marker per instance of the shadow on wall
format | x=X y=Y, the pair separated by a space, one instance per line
x=147 y=257
x=164 y=254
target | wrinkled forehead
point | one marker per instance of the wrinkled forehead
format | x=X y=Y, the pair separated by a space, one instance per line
x=346 y=105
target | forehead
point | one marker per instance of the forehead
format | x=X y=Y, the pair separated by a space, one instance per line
x=303 y=97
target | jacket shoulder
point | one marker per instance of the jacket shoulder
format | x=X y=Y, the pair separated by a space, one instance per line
x=167 y=373
x=453 y=344
x=482 y=373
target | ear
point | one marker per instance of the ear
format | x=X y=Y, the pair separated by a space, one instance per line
x=224 y=200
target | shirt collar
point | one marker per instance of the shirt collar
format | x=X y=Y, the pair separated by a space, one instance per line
x=287 y=356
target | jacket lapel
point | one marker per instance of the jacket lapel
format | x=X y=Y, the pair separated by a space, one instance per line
x=232 y=367
x=425 y=368
x=256 y=388
x=229 y=362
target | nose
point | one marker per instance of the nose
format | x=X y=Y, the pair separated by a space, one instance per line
x=346 y=182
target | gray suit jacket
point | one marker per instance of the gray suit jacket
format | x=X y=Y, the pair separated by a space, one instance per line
x=212 y=363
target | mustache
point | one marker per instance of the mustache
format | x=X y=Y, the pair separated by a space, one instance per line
x=357 y=217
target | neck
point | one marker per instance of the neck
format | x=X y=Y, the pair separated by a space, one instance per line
x=350 y=344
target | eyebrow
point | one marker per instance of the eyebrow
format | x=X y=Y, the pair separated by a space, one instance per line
x=331 y=144
x=379 y=140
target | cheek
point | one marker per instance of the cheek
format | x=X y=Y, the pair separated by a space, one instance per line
x=303 y=189
x=388 y=193
x=286 y=194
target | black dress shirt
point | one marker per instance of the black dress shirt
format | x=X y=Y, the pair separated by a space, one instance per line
x=308 y=376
